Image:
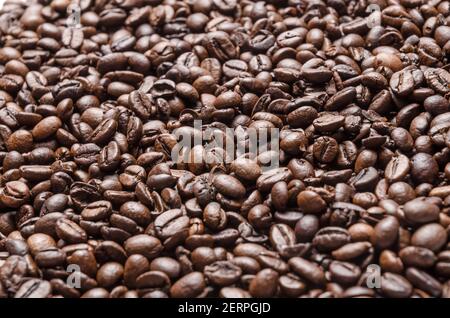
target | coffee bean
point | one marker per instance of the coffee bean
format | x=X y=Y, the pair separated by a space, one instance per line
x=424 y=281
x=14 y=194
x=424 y=168
x=34 y=288
x=264 y=284
x=70 y=231
x=385 y=232
x=260 y=216
x=302 y=117
x=344 y=273
x=403 y=82
x=432 y=236
x=308 y=270
x=328 y=123
x=20 y=140
x=366 y=179
x=246 y=169
x=330 y=238
x=397 y=168
x=229 y=186
x=135 y=265
x=143 y=244
x=281 y=236
x=109 y=274
x=325 y=149
x=233 y=292
x=136 y=211
x=280 y=195
x=395 y=286
x=222 y=273
x=190 y=285
x=40 y=242
x=46 y=127
x=96 y=211
x=421 y=211
x=310 y=202
x=417 y=256
x=167 y=265
x=437 y=79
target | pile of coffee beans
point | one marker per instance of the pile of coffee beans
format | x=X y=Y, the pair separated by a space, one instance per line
x=92 y=203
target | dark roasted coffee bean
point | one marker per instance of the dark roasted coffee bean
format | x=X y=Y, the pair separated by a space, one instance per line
x=438 y=79
x=385 y=232
x=417 y=256
x=229 y=186
x=146 y=245
x=308 y=270
x=330 y=238
x=97 y=211
x=395 y=286
x=432 y=236
x=70 y=231
x=222 y=273
x=421 y=211
x=424 y=281
x=344 y=273
x=397 y=168
x=190 y=285
x=325 y=149
x=34 y=288
x=264 y=284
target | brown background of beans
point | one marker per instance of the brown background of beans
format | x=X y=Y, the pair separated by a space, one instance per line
x=87 y=123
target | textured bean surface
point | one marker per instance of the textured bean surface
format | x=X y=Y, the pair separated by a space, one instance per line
x=351 y=200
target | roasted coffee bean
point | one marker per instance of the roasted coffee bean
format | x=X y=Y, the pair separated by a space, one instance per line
x=366 y=179
x=136 y=211
x=246 y=169
x=330 y=238
x=310 y=202
x=229 y=186
x=40 y=242
x=424 y=168
x=308 y=270
x=328 y=123
x=260 y=216
x=14 y=194
x=395 y=286
x=34 y=288
x=110 y=274
x=432 y=236
x=385 y=232
x=222 y=273
x=97 y=211
x=306 y=227
x=420 y=211
x=403 y=82
x=438 y=79
x=190 y=285
x=214 y=216
x=417 y=256
x=134 y=266
x=281 y=236
x=344 y=273
x=143 y=244
x=264 y=284
x=325 y=149
x=424 y=281
x=70 y=231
